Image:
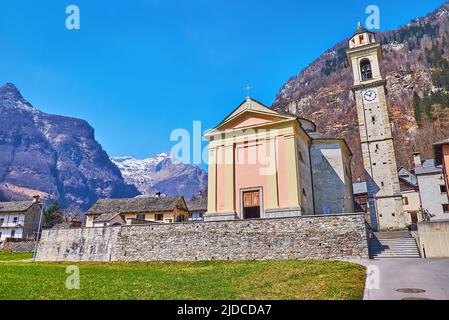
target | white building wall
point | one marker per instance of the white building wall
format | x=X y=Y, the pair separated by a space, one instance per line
x=6 y=233
x=8 y=224
x=431 y=196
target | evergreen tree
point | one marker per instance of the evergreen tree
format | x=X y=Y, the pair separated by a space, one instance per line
x=427 y=106
x=417 y=107
x=53 y=215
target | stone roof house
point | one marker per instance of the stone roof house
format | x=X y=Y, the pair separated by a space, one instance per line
x=441 y=150
x=19 y=219
x=410 y=194
x=142 y=210
x=197 y=208
x=432 y=188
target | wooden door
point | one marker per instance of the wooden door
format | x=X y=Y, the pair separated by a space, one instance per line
x=251 y=205
x=251 y=199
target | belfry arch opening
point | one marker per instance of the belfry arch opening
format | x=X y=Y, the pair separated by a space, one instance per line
x=366 y=70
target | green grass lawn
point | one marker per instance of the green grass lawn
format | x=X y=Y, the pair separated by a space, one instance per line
x=9 y=256
x=271 y=280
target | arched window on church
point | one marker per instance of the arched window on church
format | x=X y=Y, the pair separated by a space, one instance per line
x=367 y=72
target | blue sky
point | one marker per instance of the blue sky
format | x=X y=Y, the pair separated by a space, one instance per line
x=139 y=69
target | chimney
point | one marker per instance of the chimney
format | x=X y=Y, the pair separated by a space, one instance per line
x=417 y=160
x=36 y=199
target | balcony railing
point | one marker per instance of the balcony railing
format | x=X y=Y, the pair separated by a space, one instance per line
x=18 y=224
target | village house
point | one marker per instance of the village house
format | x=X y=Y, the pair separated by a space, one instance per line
x=142 y=210
x=19 y=219
x=442 y=158
x=264 y=164
x=410 y=196
x=197 y=208
x=432 y=188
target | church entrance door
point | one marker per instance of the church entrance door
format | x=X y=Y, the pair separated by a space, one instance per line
x=251 y=205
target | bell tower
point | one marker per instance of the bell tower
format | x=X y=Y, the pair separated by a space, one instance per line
x=384 y=194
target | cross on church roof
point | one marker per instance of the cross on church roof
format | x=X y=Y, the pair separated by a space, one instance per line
x=248 y=89
x=360 y=28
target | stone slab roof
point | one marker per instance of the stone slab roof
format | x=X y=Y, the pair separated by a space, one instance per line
x=198 y=205
x=135 y=205
x=317 y=136
x=360 y=188
x=106 y=217
x=408 y=177
x=428 y=167
x=441 y=142
x=322 y=136
x=16 y=206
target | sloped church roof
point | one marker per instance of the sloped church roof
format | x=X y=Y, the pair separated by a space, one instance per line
x=256 y=107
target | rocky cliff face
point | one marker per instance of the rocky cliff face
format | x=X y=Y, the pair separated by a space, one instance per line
x=162 y=174
x=53 y=156
x=417 y=70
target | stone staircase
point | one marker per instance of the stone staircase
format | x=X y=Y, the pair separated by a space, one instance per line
x=389 y=245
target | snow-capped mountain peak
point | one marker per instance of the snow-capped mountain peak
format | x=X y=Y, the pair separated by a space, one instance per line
x=161 y=173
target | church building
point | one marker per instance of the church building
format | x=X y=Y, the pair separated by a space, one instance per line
x=264 y=164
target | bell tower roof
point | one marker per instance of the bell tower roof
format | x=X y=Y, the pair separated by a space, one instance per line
x=360 y=29
x=361 y=37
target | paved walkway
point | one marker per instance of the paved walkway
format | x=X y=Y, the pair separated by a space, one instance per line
x=429 y=277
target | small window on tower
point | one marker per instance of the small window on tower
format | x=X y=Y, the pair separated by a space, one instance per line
x=405 y=201
x=373 y=119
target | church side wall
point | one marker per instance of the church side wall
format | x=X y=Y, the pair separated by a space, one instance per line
x=332 y=185
x=314 y=237
x=305 y=174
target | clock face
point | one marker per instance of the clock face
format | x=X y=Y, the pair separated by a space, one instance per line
x=370 y=95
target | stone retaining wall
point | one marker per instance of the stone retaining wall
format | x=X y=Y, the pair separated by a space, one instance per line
x=320 y=237
x=20 y=247
x=433 y=239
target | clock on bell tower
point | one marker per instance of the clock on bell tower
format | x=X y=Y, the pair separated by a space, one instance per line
x=384 y=194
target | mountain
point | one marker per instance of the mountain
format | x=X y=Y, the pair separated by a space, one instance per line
x=162 y=173
x=416 y=67
x=53 y=156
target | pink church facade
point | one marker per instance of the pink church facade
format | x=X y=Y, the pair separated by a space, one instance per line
x=260 y=165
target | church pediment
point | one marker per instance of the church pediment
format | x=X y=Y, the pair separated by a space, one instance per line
x=251 y=119
x=250 y=114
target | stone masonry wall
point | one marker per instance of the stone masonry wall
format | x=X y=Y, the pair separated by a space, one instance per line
x=315 y=237
x=20 y=247
x=87 y=244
